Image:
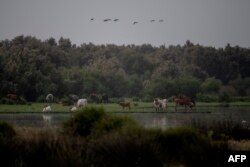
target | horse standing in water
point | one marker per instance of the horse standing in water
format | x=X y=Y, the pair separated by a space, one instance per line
x=184 y=101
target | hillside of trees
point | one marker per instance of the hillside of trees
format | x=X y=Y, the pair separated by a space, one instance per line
x=33 y=68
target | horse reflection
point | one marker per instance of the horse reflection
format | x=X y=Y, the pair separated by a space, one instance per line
x=159 y=122
x=47 y=119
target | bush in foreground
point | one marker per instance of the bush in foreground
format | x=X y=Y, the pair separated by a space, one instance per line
x=94 y=121
x=93 y=138
x=83 y=121
x=224 y=130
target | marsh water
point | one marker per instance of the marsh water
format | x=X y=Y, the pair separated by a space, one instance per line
x=147 y=119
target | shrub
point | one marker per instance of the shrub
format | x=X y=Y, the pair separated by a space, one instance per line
x=136 y=98
x=211 y=85
x=7 y=134
x=134 y=147
x=66 y=101
x=241 y=98
x=147 y=98
x=95 y=122
x=112 y=123
x=185 y=146
x=83 y=121
x=116 y=99
x=6 y=131
x=127 y=147
x=22 y=100
x=46 y=147
x=143 y=147
x=41 y=99
x=206 y=98
x=224 y=97
x=10 y=102
x=3 y=100
x=224 y=130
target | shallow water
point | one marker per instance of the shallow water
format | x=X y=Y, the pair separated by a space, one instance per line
x=207 y=116
x=146 y=119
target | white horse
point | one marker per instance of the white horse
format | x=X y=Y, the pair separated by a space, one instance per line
x=73 y=109
x=160 y=104
x=81 y=103
x=47 y=108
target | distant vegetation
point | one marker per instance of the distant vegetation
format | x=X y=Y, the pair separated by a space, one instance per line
x=33 y=68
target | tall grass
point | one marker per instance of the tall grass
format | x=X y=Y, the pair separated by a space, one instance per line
x=224 y=129
x=47 y=147
x=7 y=134
x=92 y=138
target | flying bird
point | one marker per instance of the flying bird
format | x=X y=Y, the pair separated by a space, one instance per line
x=106 y=20
x=92 y=19
x=160 y=20
x=135 y=22
x=152 y=20
x=116 y=19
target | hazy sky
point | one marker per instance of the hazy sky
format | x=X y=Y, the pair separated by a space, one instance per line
x=207 y=22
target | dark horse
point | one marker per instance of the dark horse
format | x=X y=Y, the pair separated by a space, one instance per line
x=184 y=101
x=95 y=98
x=14 y=98
x=99 y=98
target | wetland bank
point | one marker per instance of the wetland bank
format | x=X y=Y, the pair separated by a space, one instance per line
x=94 y=137
x=143 y=113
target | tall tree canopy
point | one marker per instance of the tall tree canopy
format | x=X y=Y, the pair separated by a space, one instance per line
x=31 y=68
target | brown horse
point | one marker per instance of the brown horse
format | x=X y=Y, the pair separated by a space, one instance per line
x=94 y=97
x=13 y=97
x=183 y=101
x=124 y=104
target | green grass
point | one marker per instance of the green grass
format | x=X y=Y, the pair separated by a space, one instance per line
x=34 y=107
x=112 y=107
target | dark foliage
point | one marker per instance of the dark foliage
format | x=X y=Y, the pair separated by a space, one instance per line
x=32 y=68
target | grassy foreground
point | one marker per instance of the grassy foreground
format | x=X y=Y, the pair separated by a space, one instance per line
x=92 y=138
x=111 y=107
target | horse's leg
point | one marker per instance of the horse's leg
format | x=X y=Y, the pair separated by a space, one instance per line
x=156 y=108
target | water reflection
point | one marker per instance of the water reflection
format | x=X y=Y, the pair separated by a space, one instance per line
x=47 y=119
x=148 y=120
x=159 y=122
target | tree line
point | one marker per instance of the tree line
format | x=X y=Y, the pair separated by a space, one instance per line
x=33 y=68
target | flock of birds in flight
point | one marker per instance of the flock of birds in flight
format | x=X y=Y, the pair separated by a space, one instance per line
x=135 y=22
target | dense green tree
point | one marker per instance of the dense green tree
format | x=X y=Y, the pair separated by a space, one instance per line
x=32 y=68
x=211 y=85
x=162 y=87
x=241 y=85
x=187 y=85
x=64 y=43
